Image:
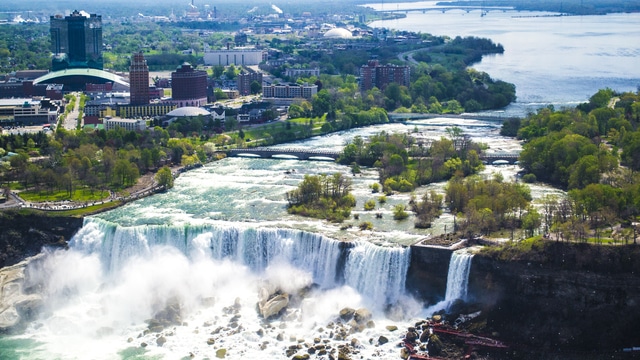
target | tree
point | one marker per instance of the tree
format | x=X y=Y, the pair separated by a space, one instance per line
x=256 y=88
x=399 y=212
x=531 y=221
x=164 y=178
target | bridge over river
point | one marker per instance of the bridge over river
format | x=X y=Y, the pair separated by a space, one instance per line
x=298 y=153
x=403 y=117
x=324 y=155
x=482 y=9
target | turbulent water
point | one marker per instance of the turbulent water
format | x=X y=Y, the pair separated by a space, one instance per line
x=114 y=278
x=458 y=276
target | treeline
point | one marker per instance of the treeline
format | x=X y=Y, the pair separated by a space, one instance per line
x=441 y=84
x=573 y=148
x=94 y=161
x=580 y=150
x=25 y=46
x=322 y=196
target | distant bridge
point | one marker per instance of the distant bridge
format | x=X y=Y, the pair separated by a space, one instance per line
x=483 y=10
x=490 y=158
x=404 y=117
x=299 y=153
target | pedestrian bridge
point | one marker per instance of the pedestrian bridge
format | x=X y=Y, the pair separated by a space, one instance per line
x=298 y=153
x=501 y=157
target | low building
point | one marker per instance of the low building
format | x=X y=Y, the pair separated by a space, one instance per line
x=127 y=124
x=236 y=57
x=288 y=91
x=27 y=112
x=297 y=72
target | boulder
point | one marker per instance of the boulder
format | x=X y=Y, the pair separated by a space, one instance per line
x=391 y=327
x=274 y=305
x=434 y=345
x=382 y=340
x=362 y=315
x=346 y=314
x=221 y=353
x=161 y=340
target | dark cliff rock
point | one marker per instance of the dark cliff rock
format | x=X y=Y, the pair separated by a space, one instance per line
x=427 y=274
x=563 y=298
x=24 y=235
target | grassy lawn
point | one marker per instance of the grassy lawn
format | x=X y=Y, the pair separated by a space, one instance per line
x=14 y=185
x=89 y=209
x=80 y=195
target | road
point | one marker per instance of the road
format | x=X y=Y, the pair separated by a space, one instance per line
x=71 y=121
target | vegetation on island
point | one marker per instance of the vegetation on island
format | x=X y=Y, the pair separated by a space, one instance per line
x=322 y=196
x=405 y=162
x=593 y=151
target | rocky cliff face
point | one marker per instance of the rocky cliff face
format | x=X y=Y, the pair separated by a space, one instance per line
x=17 y=304
x=570 y=297
x=22 y=238
x=427 y=274
x=25 y=235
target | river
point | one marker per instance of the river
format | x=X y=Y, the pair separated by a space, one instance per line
x=558 y=60
x=222 y=233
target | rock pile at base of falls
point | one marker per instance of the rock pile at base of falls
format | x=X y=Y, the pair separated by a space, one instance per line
x=16 y=306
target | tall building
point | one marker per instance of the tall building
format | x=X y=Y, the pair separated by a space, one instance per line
x=76 y=41
x=245 y=79
x=139 y=80
x=188 y=86
x=375 y=75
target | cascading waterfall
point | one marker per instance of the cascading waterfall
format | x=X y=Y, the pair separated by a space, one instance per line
x=104 y=292
x=458 y=276
x=376 y=272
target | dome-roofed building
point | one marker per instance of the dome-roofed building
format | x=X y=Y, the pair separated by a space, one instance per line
x=188 y=111
x=338 y=33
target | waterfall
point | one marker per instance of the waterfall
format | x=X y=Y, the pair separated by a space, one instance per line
x=458 y=276
x=376 y=272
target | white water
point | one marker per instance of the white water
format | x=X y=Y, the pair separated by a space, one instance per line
x=458 y=276
x=101 y=291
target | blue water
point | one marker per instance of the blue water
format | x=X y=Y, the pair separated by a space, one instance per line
x=552 y=60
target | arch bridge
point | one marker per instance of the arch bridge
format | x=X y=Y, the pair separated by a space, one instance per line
x=299 y=153
x=489 y=158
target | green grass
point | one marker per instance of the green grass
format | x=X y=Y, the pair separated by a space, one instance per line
x=14 y=185
x=89 y=209
x=80 y=195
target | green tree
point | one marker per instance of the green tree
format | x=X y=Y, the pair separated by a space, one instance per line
x=256 y=88
x=164 y=178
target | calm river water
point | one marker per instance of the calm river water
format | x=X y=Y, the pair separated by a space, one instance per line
x=559 y=60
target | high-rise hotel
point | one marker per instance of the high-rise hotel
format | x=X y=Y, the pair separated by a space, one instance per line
x=76 y=41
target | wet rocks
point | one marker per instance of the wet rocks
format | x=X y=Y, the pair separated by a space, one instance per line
x=16 y=306
x=221 y=353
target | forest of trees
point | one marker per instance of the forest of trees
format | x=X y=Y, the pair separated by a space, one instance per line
x=593 y=150
x=93 y=162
